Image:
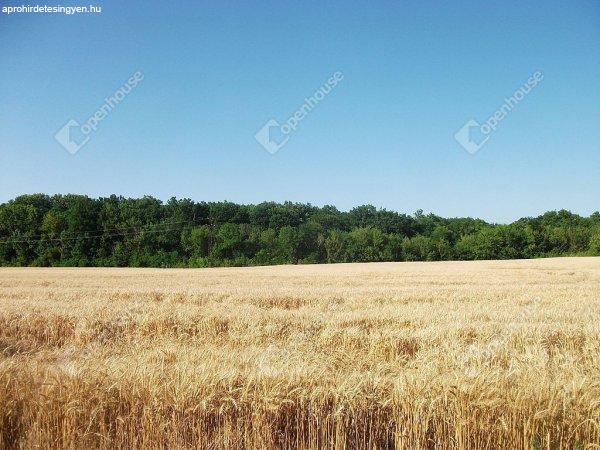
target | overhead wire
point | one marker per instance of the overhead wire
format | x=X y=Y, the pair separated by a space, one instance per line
x=102 y=233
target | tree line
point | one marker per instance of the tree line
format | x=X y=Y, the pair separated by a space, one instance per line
x=75 y=230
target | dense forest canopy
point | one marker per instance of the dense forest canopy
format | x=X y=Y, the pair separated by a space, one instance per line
x=75 y=230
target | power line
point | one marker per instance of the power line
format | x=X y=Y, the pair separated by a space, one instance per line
x=84 y=234
x=103 y=230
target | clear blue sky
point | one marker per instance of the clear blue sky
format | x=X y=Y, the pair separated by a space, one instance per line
x=215 y=72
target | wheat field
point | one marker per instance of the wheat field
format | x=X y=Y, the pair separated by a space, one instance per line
x=457 y=355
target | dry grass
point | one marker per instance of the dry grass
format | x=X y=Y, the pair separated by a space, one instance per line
x=405 y=355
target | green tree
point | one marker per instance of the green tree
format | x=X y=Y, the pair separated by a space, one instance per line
x=335 y=246
x=366 y=244
x=595 y=242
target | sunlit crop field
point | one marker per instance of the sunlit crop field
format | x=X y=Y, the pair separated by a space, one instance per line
x=501 y=354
